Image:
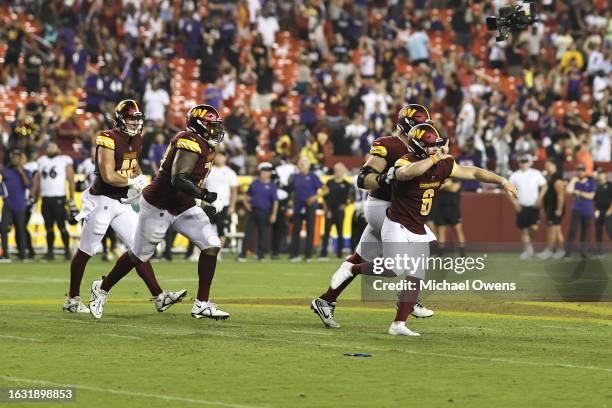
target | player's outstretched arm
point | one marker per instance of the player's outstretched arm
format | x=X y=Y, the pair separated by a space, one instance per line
x=485 y=176
x=182 y=167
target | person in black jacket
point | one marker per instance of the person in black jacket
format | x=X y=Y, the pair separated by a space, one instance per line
x=337 y=193
x=603 y=209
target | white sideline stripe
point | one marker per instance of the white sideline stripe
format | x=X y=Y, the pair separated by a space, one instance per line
x=125 y=392
x=19 y=338
x=121 y=336
x=394 y=350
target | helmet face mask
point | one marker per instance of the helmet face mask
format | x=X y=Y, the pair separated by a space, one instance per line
x=424 y=136
x=205 y=121
x=129 y=120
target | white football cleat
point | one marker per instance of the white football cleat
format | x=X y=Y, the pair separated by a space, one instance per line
x=97 y=299
x=559 y=254
x=545 y=254
x=325 y=310
x=75 y=305
x=421 y=311
x=342 y=274
x=400 y=329
x=207 y=309
x=166 y=299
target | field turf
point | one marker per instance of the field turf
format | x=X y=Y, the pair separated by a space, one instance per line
x=274 y=352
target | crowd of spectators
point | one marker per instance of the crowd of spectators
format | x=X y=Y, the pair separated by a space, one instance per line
x=346 y=67
x=347 y=77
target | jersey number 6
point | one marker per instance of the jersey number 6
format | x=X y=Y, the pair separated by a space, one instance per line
x=427 y=201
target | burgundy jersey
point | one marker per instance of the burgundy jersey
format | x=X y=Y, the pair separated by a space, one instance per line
x=391 y=149
x=161 y=193
x=412 y=199
x=127 y=151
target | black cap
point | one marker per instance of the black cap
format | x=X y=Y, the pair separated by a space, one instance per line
x=15 y=152
x=580 y=167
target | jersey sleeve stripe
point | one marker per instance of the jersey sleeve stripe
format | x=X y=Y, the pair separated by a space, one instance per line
x=190 y=145
x=105 y=141
x=402 y=162
x=378 y=151
x=452 y=173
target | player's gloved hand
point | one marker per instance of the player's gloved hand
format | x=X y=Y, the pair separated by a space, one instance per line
x=208 y=196
x=72 y=206
x=385 y=179
x=133 y=195
x=138 y=183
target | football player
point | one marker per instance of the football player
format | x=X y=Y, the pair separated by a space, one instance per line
x=170 y=200
x=415 y=178
x=105 y=204
x=384 y=152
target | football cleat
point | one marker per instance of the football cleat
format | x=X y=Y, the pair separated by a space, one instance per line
x=325 y=310
x=75 y=305
x=400 y=329
x=97 y=299
x=421 y=311
x=342 y=274
x=209 y=310
x=545 y=254
x=166 y=299
x=559 y=254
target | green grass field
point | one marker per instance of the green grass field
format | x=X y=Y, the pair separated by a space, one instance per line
x=274 y=352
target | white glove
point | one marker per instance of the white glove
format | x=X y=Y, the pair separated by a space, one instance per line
x=138 y=183
x=133 y=195
x=218 y=205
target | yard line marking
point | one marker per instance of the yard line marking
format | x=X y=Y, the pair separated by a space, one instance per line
x=19 y=338
x=121 y=336
x=125 y=392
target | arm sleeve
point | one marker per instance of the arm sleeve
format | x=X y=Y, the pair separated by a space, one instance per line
x=189 y=145
x=402 y=161
x=541 y=179
x=378 y=149
x=105 y=141
x=234 y=180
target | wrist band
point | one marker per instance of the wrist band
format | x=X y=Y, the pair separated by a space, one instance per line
x=433 y=159
x=504 y=183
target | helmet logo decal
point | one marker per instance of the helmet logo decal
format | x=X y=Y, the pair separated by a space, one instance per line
x=409 y=112
x=199 y=112
x=418 y=133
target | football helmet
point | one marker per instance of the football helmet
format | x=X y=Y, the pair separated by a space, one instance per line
x=205 y=121
x=411 y=115
x=129 y=120
x=423 y=136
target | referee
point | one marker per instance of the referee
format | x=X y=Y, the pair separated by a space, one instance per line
x=337 y=193
x=54 y=169
x=531 y=186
